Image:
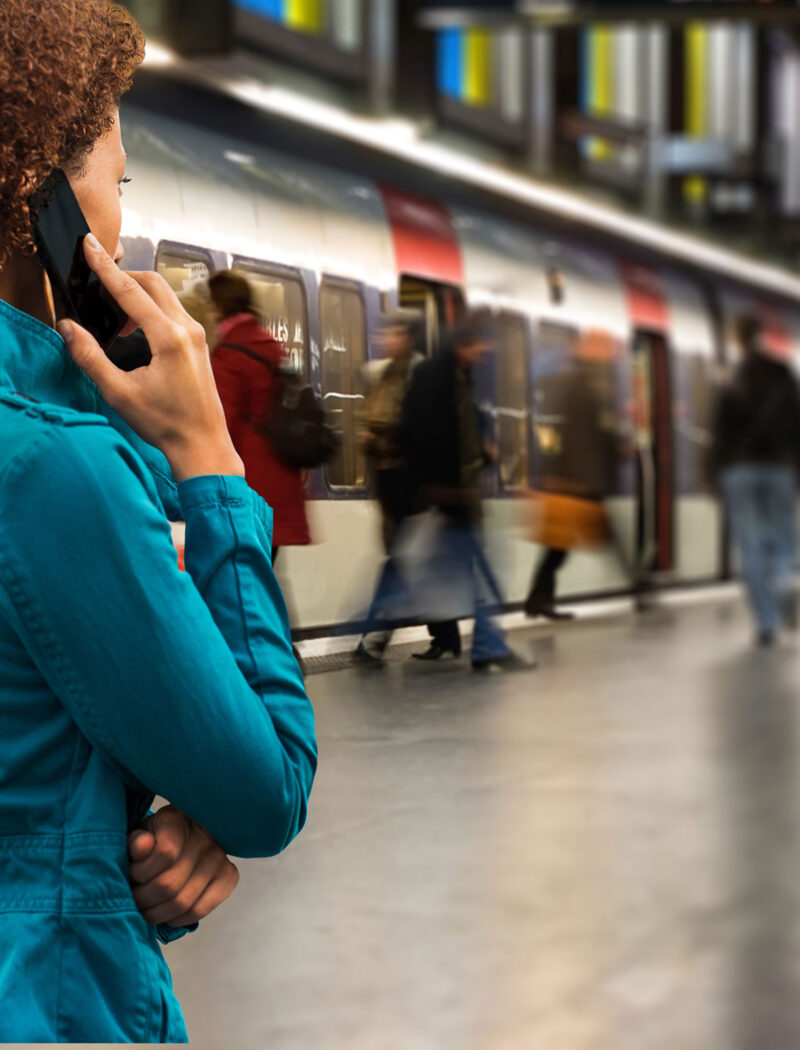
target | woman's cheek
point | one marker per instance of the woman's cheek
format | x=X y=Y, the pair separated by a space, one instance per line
x=103 y=214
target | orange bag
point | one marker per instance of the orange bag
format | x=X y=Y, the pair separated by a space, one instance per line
x=567 y=522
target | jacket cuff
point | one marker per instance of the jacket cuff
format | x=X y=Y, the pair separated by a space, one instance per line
x=168 y=934
x=210 y=489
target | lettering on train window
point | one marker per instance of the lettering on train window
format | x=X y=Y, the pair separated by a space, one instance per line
x=512 y=397
x=280 y=301
x=186 y=270
x=344 y=351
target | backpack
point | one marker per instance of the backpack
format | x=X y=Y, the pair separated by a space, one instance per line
x=294 y=424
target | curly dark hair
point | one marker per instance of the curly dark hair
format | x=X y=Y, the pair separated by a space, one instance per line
x=64 y=66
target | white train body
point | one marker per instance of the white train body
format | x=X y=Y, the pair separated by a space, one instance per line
x=218 y=201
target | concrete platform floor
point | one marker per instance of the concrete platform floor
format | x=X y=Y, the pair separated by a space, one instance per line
x=603 y=854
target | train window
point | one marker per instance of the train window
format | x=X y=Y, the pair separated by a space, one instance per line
x=344 y=351
x=692 y=410
x=512 y=393
x=554 y=348
x=576 y=373
x=186 y=270
x=440 y=305
x=280 y=301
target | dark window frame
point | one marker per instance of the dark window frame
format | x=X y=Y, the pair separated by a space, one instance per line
x=328 y=283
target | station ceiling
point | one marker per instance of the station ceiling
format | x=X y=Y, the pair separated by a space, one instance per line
x=438 y=13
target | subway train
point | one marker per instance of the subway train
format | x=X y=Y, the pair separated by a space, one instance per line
x=331 y=245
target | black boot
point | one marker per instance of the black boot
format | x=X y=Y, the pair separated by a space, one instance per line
x=436 y=651
x=365 y=657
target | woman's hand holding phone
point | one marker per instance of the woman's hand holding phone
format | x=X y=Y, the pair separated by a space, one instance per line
x=171 y=403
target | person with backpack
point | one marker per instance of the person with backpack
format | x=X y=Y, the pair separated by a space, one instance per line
x=247 y=364
x=755 y=457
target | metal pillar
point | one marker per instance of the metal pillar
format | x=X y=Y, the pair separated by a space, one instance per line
x=541 y=101
x=382 y=38
x=654 y=42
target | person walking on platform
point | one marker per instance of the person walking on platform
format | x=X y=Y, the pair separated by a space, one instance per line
x=578 y=453
x=246 y=363
x=445 y=455
x=121 y=678
x=755 y=456
x=398 y=340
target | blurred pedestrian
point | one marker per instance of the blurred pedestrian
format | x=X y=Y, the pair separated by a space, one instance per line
x=578 y=452
x=445 y=453
x=247 y=362
x=755 y=456
x=398 y=341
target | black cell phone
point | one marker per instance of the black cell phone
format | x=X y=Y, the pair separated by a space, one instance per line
x=58 y=232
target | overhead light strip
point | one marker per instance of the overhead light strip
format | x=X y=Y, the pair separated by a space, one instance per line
x=401 y=139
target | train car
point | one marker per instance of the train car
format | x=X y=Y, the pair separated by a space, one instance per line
x=329 y=249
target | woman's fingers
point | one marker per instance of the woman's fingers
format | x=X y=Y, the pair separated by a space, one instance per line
x=176 y=840
x=140 y=846
x=212 y=881
x=161 y=294
x=216 y=893
x=128 y=292
x=184 y=874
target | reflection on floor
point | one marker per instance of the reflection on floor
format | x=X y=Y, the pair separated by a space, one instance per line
x=603 y=854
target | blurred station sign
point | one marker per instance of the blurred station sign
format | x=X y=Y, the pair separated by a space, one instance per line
x=442 y=13
x=330 y=37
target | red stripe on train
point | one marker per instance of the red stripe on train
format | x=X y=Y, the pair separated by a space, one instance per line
x=425 y=243
x=647 y=304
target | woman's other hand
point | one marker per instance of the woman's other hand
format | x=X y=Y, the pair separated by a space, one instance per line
x=178 y=872
x=172 y=403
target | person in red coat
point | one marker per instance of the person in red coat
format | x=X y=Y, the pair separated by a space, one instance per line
x=246 y=383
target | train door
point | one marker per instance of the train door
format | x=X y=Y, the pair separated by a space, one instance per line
x=439 y=304
x=653 y=440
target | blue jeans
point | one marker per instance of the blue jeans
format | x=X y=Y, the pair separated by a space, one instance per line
x=459 y=565
x=470 y=565
x=761 y=504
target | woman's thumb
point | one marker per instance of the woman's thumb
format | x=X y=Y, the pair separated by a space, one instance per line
x=140 y=844
x=86 y=353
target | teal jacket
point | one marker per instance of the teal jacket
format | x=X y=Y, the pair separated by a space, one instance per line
x=121 y=678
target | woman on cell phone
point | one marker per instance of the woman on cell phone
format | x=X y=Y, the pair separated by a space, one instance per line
x=120 y=677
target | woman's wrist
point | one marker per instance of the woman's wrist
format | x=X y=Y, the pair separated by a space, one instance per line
x=194 y=459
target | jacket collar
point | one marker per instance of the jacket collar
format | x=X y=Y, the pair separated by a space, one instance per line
x=35 y=362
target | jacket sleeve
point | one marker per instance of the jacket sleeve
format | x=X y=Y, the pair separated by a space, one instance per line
x=185 y=681
x=413 y=436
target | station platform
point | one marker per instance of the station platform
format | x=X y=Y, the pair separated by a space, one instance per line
x=601 y=854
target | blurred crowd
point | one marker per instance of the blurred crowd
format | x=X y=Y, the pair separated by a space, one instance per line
x=428 y=444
